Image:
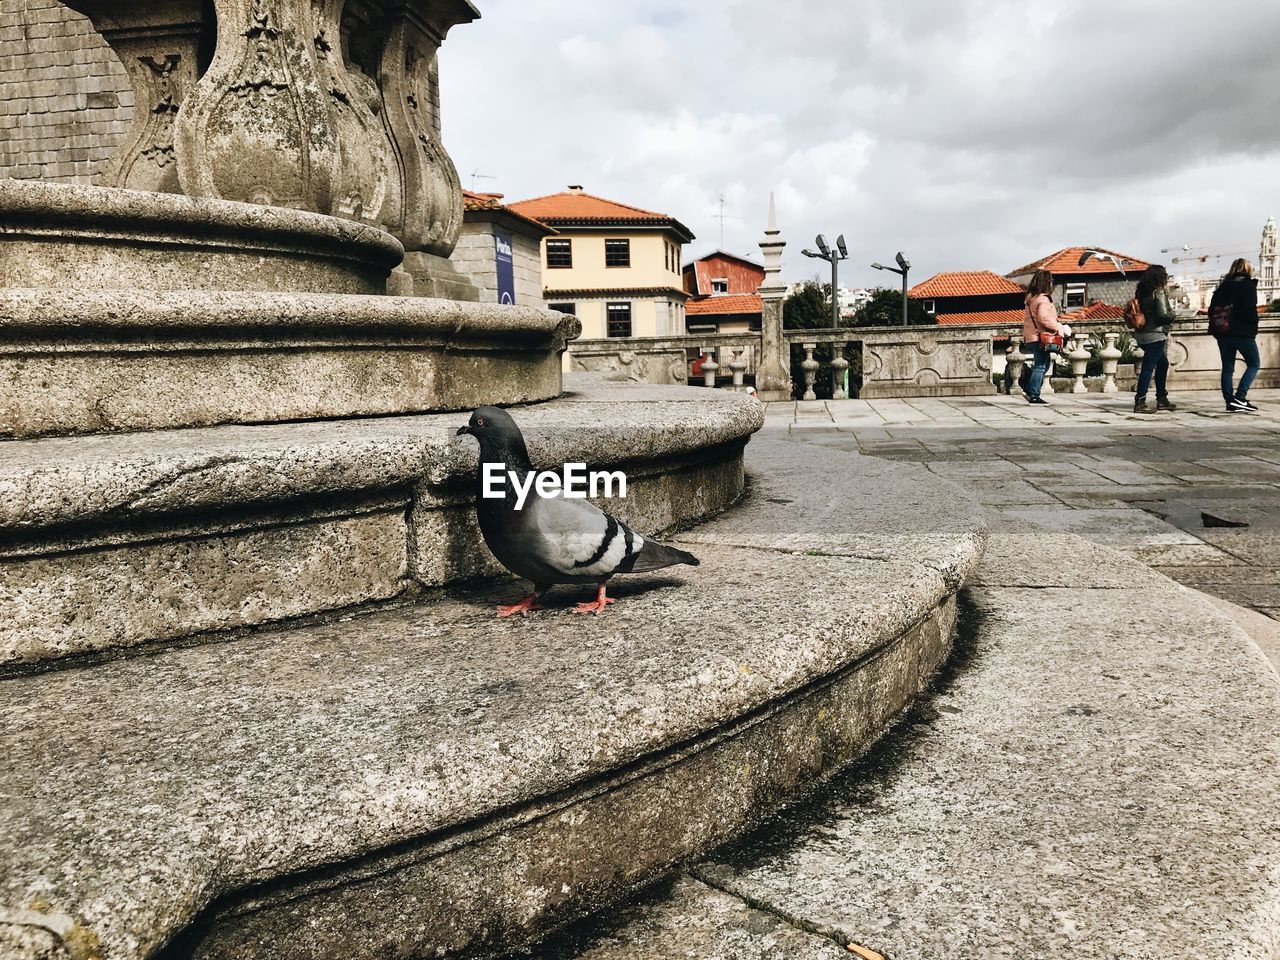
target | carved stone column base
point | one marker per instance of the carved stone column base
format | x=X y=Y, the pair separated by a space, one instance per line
x=426 y=275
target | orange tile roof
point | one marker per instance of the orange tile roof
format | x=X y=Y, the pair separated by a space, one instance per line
x=717 y=306
x=982 y=318
x=1068 y=261
x=1095 y=311
x=573 y=207
x=481 y=201
x=964 y=283
x=473 y=202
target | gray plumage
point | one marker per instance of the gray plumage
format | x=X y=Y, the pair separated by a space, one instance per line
x=552 y=539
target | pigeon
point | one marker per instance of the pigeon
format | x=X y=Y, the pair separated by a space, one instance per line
x=1101 y=255
x=553 y=539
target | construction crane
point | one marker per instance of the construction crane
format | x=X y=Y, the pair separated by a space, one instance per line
x=1206 y=266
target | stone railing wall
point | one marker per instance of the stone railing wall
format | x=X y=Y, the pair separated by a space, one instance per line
x=926 y=361
x=666 y=360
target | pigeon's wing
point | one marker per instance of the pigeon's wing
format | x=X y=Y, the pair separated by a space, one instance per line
x=578 y=539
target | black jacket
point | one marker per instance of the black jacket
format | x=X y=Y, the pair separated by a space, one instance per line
x=1241 y=293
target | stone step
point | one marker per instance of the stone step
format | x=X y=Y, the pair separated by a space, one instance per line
x=110 y=542
x=429 y=779
x=1095 y=778
x=94 y=361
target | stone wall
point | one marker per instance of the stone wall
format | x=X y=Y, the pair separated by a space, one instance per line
x=474 y=259
x=65 y=101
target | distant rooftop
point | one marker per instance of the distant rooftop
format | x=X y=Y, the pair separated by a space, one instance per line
x=959 y=283
x=725 y=304
x=576 y=207
x=1068 y=261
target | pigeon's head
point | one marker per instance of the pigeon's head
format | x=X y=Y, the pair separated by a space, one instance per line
x=497 y=433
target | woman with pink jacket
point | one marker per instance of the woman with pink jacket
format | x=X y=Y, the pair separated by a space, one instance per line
x=1040 y=317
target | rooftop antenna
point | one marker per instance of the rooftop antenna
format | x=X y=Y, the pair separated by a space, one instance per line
x=722 y=217
x=477 y=175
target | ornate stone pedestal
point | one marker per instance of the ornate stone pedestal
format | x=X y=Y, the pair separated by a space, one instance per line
x=330 y=106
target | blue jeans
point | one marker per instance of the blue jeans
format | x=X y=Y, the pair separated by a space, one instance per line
x=1247 y=347
x=1155 y=360
x=1032 y=378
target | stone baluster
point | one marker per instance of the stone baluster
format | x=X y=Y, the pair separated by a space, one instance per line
x=431 y=214
x=163 y=46
x=810 y=368
x=838 y=367
x=709 y=367
x=1015 y=359
x=738 y=365
x=1080 y=357
x=1110 y=360
x=277 y=117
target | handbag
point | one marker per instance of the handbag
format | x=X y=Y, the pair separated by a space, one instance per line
x=1051 y=342
x=1220 y=319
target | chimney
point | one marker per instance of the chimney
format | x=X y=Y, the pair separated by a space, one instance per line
x=575 y=188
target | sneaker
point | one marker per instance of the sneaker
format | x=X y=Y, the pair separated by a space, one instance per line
x=1140 y=405
x=1039 y=400
x=1238 y=406
x=1247 y=405
x=1164 y=403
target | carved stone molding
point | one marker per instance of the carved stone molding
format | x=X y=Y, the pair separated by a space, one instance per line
x=277 y=119
x=162 y=45
x=431 y=214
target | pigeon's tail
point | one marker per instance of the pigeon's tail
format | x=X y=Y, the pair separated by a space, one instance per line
x=655 y=556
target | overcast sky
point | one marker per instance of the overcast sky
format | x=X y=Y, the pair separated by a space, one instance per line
x=972 y=134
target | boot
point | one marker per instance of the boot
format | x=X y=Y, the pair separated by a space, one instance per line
x=1140 y=405
x=1164 y=403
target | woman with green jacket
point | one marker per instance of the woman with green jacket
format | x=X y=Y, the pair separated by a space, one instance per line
x=1153 y=338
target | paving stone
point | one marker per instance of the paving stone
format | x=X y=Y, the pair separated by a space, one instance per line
x=693 y=920
x=1063 y=797
x=1124 y=527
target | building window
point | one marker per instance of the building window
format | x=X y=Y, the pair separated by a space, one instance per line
x=1075 y=295
x=559 y=253
x=720 y=286
x=617 y=253
x=570 y=308
x=930 y=306
x=618 y=320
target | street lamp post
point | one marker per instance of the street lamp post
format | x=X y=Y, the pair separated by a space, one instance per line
x=833 y=257
x=903 y=268
x=838 y=362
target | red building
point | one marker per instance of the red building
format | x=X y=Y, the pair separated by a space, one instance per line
x=722 y=293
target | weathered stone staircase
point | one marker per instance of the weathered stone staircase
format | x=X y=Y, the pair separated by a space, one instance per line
x=421 y=779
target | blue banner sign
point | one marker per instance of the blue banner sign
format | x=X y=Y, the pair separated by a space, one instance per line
x=505 y=267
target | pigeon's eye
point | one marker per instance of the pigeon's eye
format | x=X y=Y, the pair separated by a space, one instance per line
x=479 y=421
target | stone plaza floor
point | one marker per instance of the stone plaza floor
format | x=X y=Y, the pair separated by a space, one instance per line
x=1194 y=493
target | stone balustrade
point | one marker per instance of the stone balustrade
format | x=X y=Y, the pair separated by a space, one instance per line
x=667 y=360
x=925 y=361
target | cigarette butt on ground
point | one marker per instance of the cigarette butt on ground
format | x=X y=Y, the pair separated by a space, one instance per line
x=864 y=952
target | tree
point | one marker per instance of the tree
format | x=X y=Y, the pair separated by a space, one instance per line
x=884 y=309
x=809 y=308
x=1275 y=306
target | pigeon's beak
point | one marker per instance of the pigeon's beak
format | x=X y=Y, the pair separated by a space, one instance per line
x=462 y=430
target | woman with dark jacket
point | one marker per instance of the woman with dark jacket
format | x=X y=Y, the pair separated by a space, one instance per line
x=1153 y=296
x=1238 y=293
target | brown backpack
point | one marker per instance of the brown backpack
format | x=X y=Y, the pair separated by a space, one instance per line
x=1134 y=318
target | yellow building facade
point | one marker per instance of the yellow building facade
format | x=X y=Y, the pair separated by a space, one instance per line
x=614 y=266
